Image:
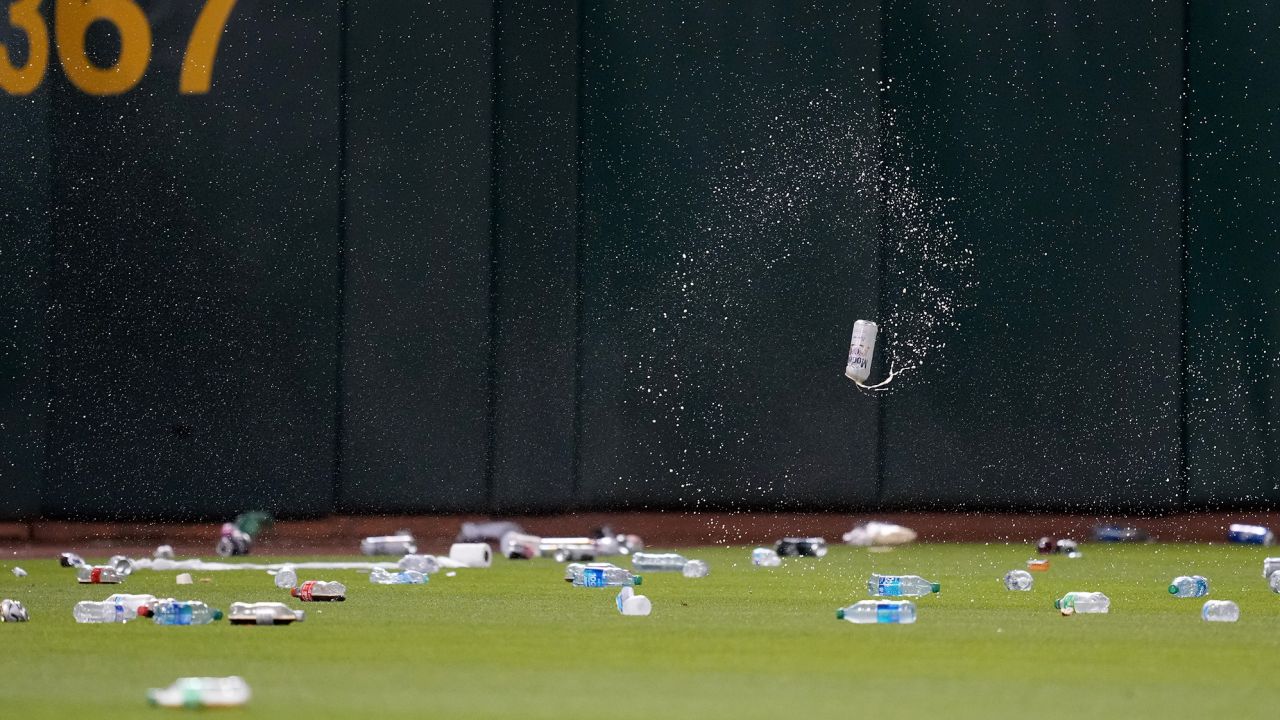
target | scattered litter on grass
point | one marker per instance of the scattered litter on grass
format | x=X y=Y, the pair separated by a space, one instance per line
x=184 y=579
x=214 y=566
x=19 y=572
x=764 y=557
x=491 y=531
x=402 y=543
x=163 y=552
x=12 y=611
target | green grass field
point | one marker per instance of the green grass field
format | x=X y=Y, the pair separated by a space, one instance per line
x=517 y=642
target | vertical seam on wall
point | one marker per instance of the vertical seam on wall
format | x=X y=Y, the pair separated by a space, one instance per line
x=495 y=209
x=1184 y=232
x=576 y=469
x=340 y=309
x=881 y=234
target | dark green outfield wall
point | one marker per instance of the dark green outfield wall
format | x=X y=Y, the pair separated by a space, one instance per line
x=454 y=256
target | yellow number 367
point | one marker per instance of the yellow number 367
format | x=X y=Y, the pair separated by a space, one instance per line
x=72 y=19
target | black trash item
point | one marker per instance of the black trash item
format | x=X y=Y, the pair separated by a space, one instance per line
x=801 y=547
x=69 y=559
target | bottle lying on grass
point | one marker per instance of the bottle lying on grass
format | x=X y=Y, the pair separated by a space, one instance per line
x=870 y=612
x=669 y=562
x=1018 y=580
x=380 y=576
x=116 y=609
x=1220 y=611
x=603 y=575
x=94 y=574
x=320 y=591
x=1083 y=602
x=198 y=692
x=180 y=612
x=900 y=586
x=12 y=611
x=1189 y=587
x=263 y=613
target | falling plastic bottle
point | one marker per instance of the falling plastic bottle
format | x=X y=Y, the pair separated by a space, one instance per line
x=658 y=562
x=1189 y=587
x=1018 y=580
x=870 y=612
x=900 y=586
x=862 y=347
x=1220 y=611
x=380 y=576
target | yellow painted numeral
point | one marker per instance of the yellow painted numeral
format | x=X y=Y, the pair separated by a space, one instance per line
x=202 y=48
x=25 y=15
x=72 y=20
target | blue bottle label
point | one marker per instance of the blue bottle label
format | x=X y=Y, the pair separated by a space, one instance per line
x=593 y=577
x=889 y=587
x=886 y=612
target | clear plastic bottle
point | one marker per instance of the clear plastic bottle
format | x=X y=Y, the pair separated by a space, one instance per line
x=765 y=557
x=1220 y=611
x=198 y=692
x=1269 y=566
x=1274 y=581
x=91 y=611
x=286 y=578
x=567 y=549
x=320 y=591
x=594 y=575
x=1189 y=587
x=573 y=570
x=263 y=613
x=900 y=586
x=94 y=574
x=870 y=612
x=1083 y=602
x=180 y=612
x=801 y=547
x=425 y=564
x=658 y=562
x=12 y=611
x=123 y=565
x=380 y=576
x=695 y=569
x=1018 y=580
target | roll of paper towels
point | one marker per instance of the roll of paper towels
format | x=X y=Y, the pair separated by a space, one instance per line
x=474 y=555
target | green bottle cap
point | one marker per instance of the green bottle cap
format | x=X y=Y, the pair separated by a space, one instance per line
x=1057 y=604
x=637 y=580
x=1173 y=589
x=217 y=614
x=840 y=614
x=936 y=587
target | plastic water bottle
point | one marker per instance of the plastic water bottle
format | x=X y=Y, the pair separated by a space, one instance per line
x=90 y=611
x=98 y=574
x=123 y=565
x=1274 y=581
x=425 y=564
x=402 y=544
x=658 y=562
x=1018 y=580
x=380 y=576
x=764 y=557
x=263 y=613
x=695 y=569
x=180 y=612
x=199 y=692
x=565 y=549
x=1250 y=535
x=12 y=611
x=870 y=612
x=1220 y=611
x=1083 y=602
x=595 y=576
x=1269 y=566
x=286 y=578
x=900 y=586
x=572 y=570
x=320 y=591
x=862 y=346
x=1189 y=587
